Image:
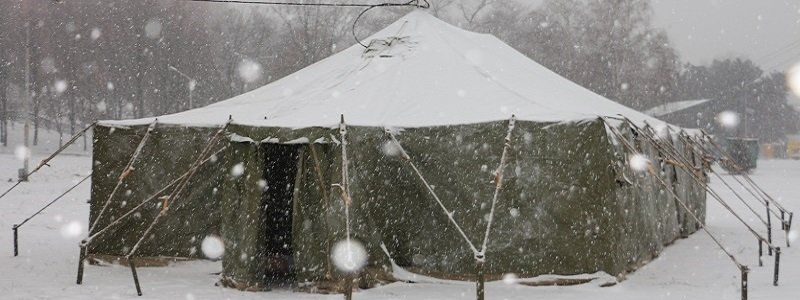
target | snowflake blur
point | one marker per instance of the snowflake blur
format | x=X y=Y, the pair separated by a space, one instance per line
x=639 y=162
x=510 y=278
x=22 y=152
x=249 y=70
x=96 y=32
x=390 y=149
x=728 y=119
x=237 y=170
x=349 y=256
x=71 y=230
x=793 y=235
x=153 y=29
x=793 y=79
x=60 y=86
x=212 y=247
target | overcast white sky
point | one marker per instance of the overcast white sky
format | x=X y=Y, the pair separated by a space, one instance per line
x=767 y=31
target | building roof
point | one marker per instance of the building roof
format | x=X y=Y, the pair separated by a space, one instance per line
x=672 y=107
x=417 y=72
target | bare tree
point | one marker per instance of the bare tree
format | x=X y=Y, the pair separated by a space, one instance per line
x=470 y=11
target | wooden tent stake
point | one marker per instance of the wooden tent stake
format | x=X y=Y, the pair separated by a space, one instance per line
x=16 y=227
x=777 y=265
x=745 y=282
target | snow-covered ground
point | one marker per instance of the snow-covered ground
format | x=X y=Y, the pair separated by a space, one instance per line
x=692 y=268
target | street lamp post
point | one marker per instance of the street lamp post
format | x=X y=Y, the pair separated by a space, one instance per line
x=192 y=84
x=23 y=173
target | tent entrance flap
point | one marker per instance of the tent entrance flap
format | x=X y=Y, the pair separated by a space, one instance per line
x=280 y=169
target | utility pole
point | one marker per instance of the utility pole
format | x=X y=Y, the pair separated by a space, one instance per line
x=191 y=84
x=23 y=173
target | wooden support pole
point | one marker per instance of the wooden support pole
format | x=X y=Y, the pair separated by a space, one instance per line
x=135 y=277
x=769 y=229
x=16 y=246
x=760 y=253
x=348 y=288
x=789 y=228
x=81 y=259
x=777 y=265
x=783 y=220
x=744 y=270
x=480 y=287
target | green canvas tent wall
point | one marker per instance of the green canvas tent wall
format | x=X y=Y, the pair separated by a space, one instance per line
x=570 y=204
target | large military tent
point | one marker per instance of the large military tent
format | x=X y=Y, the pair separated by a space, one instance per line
x=570 y=204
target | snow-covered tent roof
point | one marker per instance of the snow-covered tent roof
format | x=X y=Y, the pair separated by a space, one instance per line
x=672 y=107
x=417 y=72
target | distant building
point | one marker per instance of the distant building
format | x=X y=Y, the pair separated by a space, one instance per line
x=688 y=113
x=703 y=113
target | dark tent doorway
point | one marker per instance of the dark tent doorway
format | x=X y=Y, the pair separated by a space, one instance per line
x=280 y=170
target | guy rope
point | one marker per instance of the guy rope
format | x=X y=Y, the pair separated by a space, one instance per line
x=479 y=255
x=673 y=153
x=743 y=269
x=16 y=227
x=167 y=201
x=124 y=174
x=47 y=160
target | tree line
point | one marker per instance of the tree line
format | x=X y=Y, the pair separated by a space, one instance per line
x=115 y=59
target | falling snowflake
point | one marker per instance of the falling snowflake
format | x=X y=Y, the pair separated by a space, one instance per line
x=389 y=148
x=728 y=119
x=793 y=79
x=639 y=162
x=22 y=152
x=262 y=184
x=71 y=230
x=237 y=170
x=249 y=70
x=60 y=86
x=349 y=256
x=95 y=33
x=510 y=278
x=212 y=247
x=152 y=29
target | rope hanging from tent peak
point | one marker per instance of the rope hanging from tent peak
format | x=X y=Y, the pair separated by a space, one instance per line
x=367 y=7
